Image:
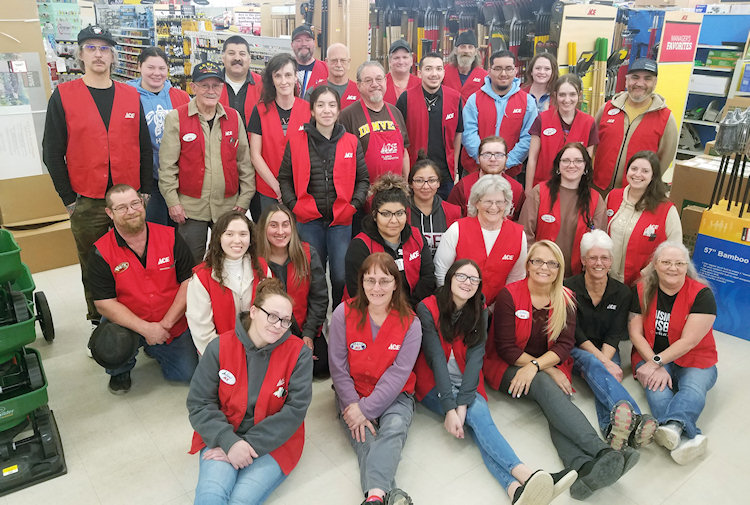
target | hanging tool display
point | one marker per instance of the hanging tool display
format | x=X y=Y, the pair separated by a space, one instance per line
x=732 y=139
x=323 y=37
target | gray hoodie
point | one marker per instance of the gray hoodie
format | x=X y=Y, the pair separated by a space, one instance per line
x=210 y=422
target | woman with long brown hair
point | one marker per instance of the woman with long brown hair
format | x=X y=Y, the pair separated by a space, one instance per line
x=541 y=75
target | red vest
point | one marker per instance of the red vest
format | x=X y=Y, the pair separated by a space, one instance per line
x=94 y=151
x=612 y=135
x=494 y=366
x=553 y=138
x=271 y=398
x=318 y=75
x=351 y=93
x=412 y=251
x=298 y=289
x=252 y=96
x=503 y=256
x=510 y=124
x=178 y=97
x=649 y=232
x=148 y=292
x=473 y=83
x=423 y=372
x=466 y=183
x=390 y=89
x=703 y=355
x=417 y=123
x=369 y=358
x=548 y=223
x=192 y=160
x=344 y=178
x=222 y=300
x=275 y=141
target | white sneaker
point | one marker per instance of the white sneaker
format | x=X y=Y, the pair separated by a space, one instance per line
x=668 y=435
x=690 y=449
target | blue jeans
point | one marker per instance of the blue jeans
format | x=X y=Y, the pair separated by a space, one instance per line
x=177 y=359
x=331 y=242
x=220 y=483
x=607 y=390
x=685 y=401
x=497 y=454
x=156 y=209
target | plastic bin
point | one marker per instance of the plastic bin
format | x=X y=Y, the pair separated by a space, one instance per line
x=10 y=256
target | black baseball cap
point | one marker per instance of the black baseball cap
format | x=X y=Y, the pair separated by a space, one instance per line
x=95 y=32
x=399 y=44
x=646 y=64
x=302 y=30
x=466 y=37
x=206 y=70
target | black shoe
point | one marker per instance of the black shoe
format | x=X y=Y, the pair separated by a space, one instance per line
x=602 y=471
x=397 y=496
x=562 y=480
x=119 y=384
x=537 y=489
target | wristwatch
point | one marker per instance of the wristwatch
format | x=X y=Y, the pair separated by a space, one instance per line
x=657 y=359
x=536 y=364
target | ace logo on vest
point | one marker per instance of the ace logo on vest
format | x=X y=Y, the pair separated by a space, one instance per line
x=351 y=97
x=130 y=115
x=449 y=116
x=163 y=260
x=509 y=257
x=390 y=148
x=517 y=111
x=394 y=347
x=348 y=155
x=227 y=377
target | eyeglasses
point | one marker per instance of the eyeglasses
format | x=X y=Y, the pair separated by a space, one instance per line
x=471 y=278
x=551 y=264
x=504 y=70
x=370 y=80
x=371 y=282
x=122 y=209
x=432 y=181
x=93 y=48
x=670 y=263
x=597 y=259
x=487 y=204
x=489 y=156
x=273 y=318
x=213 y=87
x=338 y=61
x=387 y=214
x=578 y=162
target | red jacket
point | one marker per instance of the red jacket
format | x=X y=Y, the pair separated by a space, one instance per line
x=94 y=151
x=648 y=233
x=425 y=376
x=252 y=96
x=494 y=366
x=703 y=355
x=417 y=123
x=351 y=93
x=369 y=359
x=412 y=251
x=389 y=95
x=548 y=221
x=459 y=195
x=192 y=160
x=319 y=75
x=148 y=292
x=344 y=178
x=178 y=97
x=503 y=256
x=473 y=83
x=271 y=399
x=553 y=138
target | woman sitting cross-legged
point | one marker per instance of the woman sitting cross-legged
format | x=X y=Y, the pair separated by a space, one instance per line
x=601 y=323
x=450 y=382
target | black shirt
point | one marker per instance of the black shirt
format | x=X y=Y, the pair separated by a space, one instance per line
x=704 y=303
x=102 y=282
x=254 y=126
x=606 y=322
x=435 y=142
x=237 y=101
x=55 y=143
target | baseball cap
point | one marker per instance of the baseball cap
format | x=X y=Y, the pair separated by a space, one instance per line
x=399 y=44
x=302 y=30
x=205 y=70
x=646 y=64
x=95 y=32
x=466 y=37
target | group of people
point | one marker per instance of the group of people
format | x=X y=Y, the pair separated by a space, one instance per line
x=476 y=231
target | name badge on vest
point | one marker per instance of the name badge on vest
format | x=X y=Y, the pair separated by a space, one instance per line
x=549 y=131
x=122 y=267
x=613 y=112
x=650 y=232
x=610 y=212
x=227 y=377
x=280 y=391
x=357 y=346
x=189 y=137
x=548 y=218
x=400 y=264
x=522 y=314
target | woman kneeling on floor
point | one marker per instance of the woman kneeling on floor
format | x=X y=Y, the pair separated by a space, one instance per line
x=247 y=402
x=674 y=352
x=533 y=334
x=450 y=382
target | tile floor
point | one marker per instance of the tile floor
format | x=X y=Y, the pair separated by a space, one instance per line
x=132 y=449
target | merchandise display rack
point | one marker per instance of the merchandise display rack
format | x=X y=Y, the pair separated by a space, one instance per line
x=206 y=46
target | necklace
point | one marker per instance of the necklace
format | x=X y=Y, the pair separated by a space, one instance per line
x=431 y=102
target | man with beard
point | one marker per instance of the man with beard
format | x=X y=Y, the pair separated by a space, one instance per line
x=378 y=125
x=139 y=275
x=499 y=108
x=95 y=136
x=399 y=78
x=463 y=71
x=204 y=160
x=242 y=87
x=433 y=120
x=310 y=71
x=636 y=119
x=338 y=61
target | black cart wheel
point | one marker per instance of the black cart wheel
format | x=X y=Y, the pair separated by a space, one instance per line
x=20 y=308
x=34 y=369
x=43 y=420
x=44 y=316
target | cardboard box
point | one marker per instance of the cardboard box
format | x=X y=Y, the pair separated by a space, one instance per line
x=709 y=149
x=691 y=221
x=44 y=247
x=30 y=200
x=693 y=181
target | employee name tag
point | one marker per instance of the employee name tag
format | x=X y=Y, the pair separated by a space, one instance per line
x=400 y=264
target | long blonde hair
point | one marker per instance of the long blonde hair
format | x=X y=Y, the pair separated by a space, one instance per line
x=561 y=298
